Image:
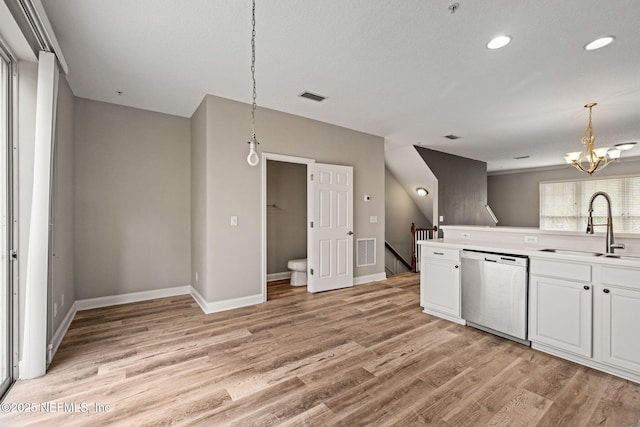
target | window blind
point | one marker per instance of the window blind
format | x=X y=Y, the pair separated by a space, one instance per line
x=564 y=204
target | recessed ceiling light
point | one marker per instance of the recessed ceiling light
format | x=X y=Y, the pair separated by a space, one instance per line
x=421 y=191
x=498 y=42
x=598 y=43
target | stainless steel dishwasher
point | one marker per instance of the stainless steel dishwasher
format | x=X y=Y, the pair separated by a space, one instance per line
x=494 y=293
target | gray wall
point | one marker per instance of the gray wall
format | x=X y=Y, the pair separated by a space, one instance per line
x=400 y=212
x=62 y=291
x=132 y=200
x=462 y=187
x=287 y=222
x=515 y=197
x=199 y=186
x=234 y=188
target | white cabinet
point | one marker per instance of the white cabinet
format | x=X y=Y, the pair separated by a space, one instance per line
x=560 y=305
x=620 y=322
x=440 y=282
x=560 y=314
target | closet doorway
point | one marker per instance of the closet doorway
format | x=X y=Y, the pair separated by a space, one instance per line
x=286 y=224
x=285 y=219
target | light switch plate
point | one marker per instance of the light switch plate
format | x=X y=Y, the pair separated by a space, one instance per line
x=234 y=220
x=373 y=219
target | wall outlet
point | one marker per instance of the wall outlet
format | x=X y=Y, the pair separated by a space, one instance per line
x=234 y=220
x=465 y=236
x=196 y=277
x=531 y=239
x=373 y=219
x=55 y=309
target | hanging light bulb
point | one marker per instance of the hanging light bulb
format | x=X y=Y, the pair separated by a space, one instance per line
x=253 y=157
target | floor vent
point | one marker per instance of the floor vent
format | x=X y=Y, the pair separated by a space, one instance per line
x=366 y=252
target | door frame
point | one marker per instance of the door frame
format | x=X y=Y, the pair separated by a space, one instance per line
x=263 y=209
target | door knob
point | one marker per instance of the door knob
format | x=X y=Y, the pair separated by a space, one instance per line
x=349 y=233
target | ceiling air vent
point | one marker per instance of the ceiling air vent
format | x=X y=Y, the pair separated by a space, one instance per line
x=312 y=96
x=452 y=137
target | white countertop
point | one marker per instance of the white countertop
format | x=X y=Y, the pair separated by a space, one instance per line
x=531 y=251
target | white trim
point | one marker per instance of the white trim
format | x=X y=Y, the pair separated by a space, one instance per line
x=56 y=339
x=278 y=276
x=370 y=278
x=86 y=304
x=35 y=293
x=445 y=316
x=279 y=158
x=229 y=304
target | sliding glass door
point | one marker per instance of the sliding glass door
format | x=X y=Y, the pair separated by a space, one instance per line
x=6 y=371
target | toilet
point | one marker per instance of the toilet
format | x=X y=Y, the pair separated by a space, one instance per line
x=298 y=269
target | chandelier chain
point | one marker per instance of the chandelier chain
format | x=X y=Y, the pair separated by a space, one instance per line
x=253 y=70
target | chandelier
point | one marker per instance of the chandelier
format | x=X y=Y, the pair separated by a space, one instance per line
x=592 y=159
x=253 y=158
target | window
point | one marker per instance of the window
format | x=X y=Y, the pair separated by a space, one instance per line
x=564 y=205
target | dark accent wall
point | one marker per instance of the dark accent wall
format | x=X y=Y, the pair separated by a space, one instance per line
x=462 y=187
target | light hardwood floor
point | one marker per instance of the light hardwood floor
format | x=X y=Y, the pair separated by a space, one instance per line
x=360 y=356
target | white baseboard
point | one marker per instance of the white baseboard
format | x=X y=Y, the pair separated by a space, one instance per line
x=278 y=276
x=86 y=304
x=369 y=278
x=229 y=304
x=56 y=339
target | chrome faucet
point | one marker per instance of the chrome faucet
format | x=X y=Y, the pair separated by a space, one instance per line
x=609 y=237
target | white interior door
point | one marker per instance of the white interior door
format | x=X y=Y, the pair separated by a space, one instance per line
x=330 y=261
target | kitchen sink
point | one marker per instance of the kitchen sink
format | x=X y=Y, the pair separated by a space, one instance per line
x=630 y=257
x=573 y=252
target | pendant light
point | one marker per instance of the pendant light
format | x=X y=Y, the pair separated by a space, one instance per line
x=253 y=157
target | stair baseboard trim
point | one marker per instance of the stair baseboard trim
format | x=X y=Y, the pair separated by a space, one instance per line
x=369 y=278
x=229 y=304
x=87 y=304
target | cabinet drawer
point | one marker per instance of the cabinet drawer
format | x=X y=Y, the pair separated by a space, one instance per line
x=561 y=269
x=429 y=252
x=621 y=276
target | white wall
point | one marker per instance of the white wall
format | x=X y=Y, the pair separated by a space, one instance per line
x=132 y=200
x=234 y=188
x=27 y=85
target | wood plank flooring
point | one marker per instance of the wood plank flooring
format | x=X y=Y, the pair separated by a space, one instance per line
x=363 y=356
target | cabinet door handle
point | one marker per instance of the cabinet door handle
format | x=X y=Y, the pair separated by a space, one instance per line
x=606 y=291
x=586 y=288
x=438 y=253
x=456 y=266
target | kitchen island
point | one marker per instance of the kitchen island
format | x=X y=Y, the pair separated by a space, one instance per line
x=583 y=304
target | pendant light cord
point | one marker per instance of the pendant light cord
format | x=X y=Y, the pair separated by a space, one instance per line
x=253 y=71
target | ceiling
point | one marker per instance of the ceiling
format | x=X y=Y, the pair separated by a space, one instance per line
x=410 y=71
